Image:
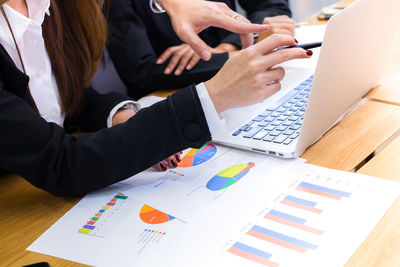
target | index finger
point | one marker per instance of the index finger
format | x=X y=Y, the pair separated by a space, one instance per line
x=272 y=42
x=229 y=23
x=199 y=46
x=283 y=55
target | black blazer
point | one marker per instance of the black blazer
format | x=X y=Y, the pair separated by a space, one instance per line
x=50 y=158
x=138 y=37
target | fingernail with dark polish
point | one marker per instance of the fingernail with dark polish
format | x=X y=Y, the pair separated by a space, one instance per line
x=163 y=166
x=178 y=159
x=173 y=162
x=296 y=41
x=309 y=53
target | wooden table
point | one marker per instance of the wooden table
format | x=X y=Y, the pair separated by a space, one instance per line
x=388 y=92
x=356 y=137
x=382 y=246
x=26 y=212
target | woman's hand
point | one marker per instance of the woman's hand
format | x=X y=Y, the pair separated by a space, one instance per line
x=172 y=161
x=251 y=76
x=122 y=116
x=279 y=25
x=189 y=17
x=182 y=56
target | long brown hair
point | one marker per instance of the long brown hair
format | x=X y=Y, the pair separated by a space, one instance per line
x=75 y=36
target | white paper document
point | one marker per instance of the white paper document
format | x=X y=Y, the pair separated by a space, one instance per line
x=202 y=177
x=279 y=213
x=319 y=219
x=110 y=228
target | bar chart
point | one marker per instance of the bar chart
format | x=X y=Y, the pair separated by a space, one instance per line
x=292 y=221
x=252 y=254
x=292 y=227
x=301 y=204
x=107 y=217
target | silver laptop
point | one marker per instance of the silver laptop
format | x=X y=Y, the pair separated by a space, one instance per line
x=361 y=48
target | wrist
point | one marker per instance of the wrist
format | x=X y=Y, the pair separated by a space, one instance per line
x=215 y=97
x=122 y=116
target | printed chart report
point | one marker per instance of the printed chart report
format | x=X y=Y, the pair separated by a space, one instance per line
x=109 y=229
x=276 y=215
x=206 y=174
x=318 y=214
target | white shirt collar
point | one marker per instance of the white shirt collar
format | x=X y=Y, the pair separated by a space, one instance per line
x=19 y=23
x=38 y=9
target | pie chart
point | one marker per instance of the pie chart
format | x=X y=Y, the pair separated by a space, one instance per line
x=198 y=156
x=152 y=216
x=229 y=176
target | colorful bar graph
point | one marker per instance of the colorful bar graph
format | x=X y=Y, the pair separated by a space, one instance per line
x=252 y=254
x=292 y=221
x=280 y=239
x=90 y=226
x=301 y=204
x=322 y=191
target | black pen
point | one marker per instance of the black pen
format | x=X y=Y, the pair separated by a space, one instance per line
x=305 y=46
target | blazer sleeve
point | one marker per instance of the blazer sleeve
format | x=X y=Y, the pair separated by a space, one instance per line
x=257 y=10
x=134 y=58
x=50 y=158
x=95 y=111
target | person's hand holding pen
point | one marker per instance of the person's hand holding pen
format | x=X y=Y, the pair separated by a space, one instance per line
x=190 y=17
x=251 y=75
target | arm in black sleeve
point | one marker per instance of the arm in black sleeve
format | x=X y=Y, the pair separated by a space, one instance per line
x=134 y=58
x=49 y=158
x=257 y=10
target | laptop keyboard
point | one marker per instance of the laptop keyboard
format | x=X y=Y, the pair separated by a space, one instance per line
x=281 y=122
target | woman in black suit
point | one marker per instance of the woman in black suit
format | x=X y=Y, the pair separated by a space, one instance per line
x=46 y=65
x=160 y=60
